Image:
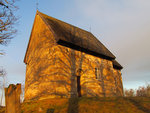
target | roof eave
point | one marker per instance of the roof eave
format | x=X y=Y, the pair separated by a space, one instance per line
x=116 y=65
x=73 y=46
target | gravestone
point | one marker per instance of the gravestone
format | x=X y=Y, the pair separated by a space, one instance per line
x=12 y=98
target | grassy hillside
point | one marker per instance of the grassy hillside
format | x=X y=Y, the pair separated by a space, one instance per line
x=2 y=109
x=89 y=105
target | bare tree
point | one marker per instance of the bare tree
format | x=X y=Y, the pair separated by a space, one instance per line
x=7 y=29
x=2 y=84
x=129 y=93
x=7 y=20
x=143 y=91
x=22 y=91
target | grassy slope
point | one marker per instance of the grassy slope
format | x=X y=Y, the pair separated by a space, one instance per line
x=2 y=109
x=89 y=105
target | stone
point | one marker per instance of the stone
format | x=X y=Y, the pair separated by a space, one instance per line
x=12 y=98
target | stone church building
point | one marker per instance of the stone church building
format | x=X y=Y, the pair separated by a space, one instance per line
x=64 y=61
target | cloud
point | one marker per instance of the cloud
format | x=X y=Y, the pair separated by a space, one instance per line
x=124 y=28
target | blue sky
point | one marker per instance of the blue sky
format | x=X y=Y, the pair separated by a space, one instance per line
x=123 y=26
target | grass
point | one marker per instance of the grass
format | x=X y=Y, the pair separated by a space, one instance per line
x=89 y=105
x=2 y=109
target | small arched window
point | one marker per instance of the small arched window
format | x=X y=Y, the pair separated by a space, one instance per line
x=79 y=72
x=97 y=73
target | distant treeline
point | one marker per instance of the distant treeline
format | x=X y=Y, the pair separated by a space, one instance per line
x=142 y=91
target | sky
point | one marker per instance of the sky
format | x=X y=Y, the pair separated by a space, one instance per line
x=123 y=26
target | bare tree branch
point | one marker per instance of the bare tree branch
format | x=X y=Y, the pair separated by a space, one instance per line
x=7 y=20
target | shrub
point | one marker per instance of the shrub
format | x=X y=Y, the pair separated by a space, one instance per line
x=148 y=90
x=142 y=91
x=129 y=93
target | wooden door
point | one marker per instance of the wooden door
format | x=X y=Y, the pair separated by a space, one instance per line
x=78 y=86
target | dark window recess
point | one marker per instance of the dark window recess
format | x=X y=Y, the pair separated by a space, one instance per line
x=97 y=73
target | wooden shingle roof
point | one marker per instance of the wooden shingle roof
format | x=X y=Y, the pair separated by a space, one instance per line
x=76 y=38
